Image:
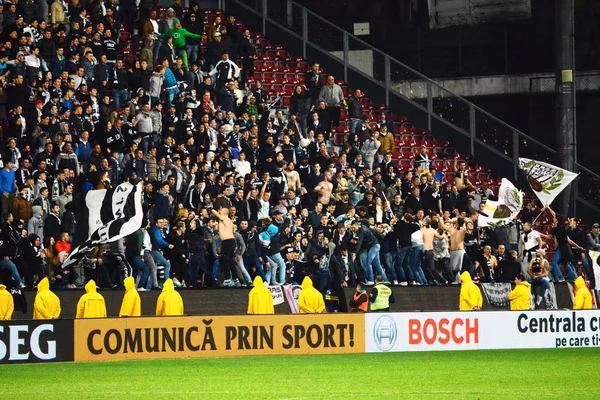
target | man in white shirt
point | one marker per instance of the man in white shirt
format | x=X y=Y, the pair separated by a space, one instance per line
x=531 y=241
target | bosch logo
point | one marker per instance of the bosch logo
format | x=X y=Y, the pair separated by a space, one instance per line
x=385 y=333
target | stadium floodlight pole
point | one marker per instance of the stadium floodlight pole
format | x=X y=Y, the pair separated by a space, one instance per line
x=565 y=96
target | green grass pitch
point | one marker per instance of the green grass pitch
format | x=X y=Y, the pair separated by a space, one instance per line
x=513 y=374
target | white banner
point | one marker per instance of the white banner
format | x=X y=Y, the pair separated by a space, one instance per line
x=291 y=294
x=277 y=293
x=497 y=294
x=481 y=330
x=546 y=180
x=503 y=211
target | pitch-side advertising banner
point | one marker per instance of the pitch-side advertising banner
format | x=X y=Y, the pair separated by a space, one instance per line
x=182 y=337
x=481 y=330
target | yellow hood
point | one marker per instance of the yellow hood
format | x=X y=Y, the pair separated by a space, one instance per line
x=90 y=287
x=2 y=287
x=465 y=277
x=44 y=284
x=129 y=283
x=579 y=283
x=307 y=283
x=168 y=285
x=525 y=283
x=258 y=281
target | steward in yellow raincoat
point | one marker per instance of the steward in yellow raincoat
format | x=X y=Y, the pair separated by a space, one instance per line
x=91 y=304
x=169 y=302
x=260 y=300
x=470 y=294
x=7 y=304
x=310 y=299
x=46 y=304
x=583 y=297
x=132 y=304
x=520 y=297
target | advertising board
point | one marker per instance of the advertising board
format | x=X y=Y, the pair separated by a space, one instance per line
x=180 y=337
x=481 y=330
x=36 y=341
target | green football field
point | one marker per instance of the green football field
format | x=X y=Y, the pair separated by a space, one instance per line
x=515 y=374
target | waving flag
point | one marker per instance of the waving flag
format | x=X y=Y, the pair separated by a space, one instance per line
x=111 y=215
x=546 y=180
x=501 y=212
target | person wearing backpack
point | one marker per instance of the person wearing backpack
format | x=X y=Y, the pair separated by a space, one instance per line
x=269 y=240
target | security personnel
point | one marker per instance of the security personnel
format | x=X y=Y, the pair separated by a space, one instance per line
x=169 y=302
x=46 y=304
x=381 y=296
x=131 y=305
x=7 y=305
x=360 y=300
x=260 y=299
x=91 y=304
x=520 y=297
x=583 y=297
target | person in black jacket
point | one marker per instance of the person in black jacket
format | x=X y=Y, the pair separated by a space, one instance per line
x=52 y=223
x=300 y=106
x=179 y=256
x=247 y=51
x=10 y=245
x=196 y=237
x=314 y=83
x=338 y=276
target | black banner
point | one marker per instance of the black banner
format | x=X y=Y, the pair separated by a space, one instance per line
x=36 y=341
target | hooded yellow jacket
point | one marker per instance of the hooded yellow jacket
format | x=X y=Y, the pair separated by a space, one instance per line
x=132 y=304
x=583 y=297
x=91 y=304
x=310 y=299
x=169 y=302
x=470 y=295
x=260 y=300
x=46 y=304
x=520 y=297
x=7 y=305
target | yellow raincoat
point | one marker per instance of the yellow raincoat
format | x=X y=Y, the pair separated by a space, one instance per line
x=7 y=305
x=520 y=297
x=310 y=299
x=583 y=297
x=470 y=294
x=169 y=302
x=91 y=304
x=260 y=300
x=46 y=304
x=131 y=305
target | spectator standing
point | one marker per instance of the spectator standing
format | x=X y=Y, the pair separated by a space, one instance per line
x=333 y=97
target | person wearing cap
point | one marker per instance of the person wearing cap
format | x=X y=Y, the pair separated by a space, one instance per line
x=194 y=24
x=594 y=238
x=179 y=35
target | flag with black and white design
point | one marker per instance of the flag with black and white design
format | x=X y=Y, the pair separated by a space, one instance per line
x=109 y=215
x=546 y=180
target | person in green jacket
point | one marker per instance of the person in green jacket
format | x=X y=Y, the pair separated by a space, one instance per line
x=179 y=34
x=133 y=251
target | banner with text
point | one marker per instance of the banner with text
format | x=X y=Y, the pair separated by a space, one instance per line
x=183 y=337
x=481 y=330
x=497 y=294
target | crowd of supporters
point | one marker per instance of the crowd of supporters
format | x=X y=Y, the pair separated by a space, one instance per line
x=186 y=117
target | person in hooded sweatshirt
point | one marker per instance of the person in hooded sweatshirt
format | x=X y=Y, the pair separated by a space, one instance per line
x=132 y=304
x=7 y=305
x=169 y=302
x=91 y=304
x=310 y=299
x=520 y=297
x=260 y=300
x=470 y=294
x=583 y=297
x=46 y=304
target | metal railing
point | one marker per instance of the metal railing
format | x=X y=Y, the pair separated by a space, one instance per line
x=480 y=130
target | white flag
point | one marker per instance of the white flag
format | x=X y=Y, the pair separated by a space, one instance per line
x=508 y=206
x=546 y=180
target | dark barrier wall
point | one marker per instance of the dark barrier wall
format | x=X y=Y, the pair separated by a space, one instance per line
x=235 y=301
x=36 y=341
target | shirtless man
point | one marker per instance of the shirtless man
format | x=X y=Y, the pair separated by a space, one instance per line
x=324 y=188
x=227 y=256
x=461 y=176
x=429 y=262
x=457 y=243
x=293 y=178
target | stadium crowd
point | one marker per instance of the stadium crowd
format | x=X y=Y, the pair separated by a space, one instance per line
x=188 y=120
